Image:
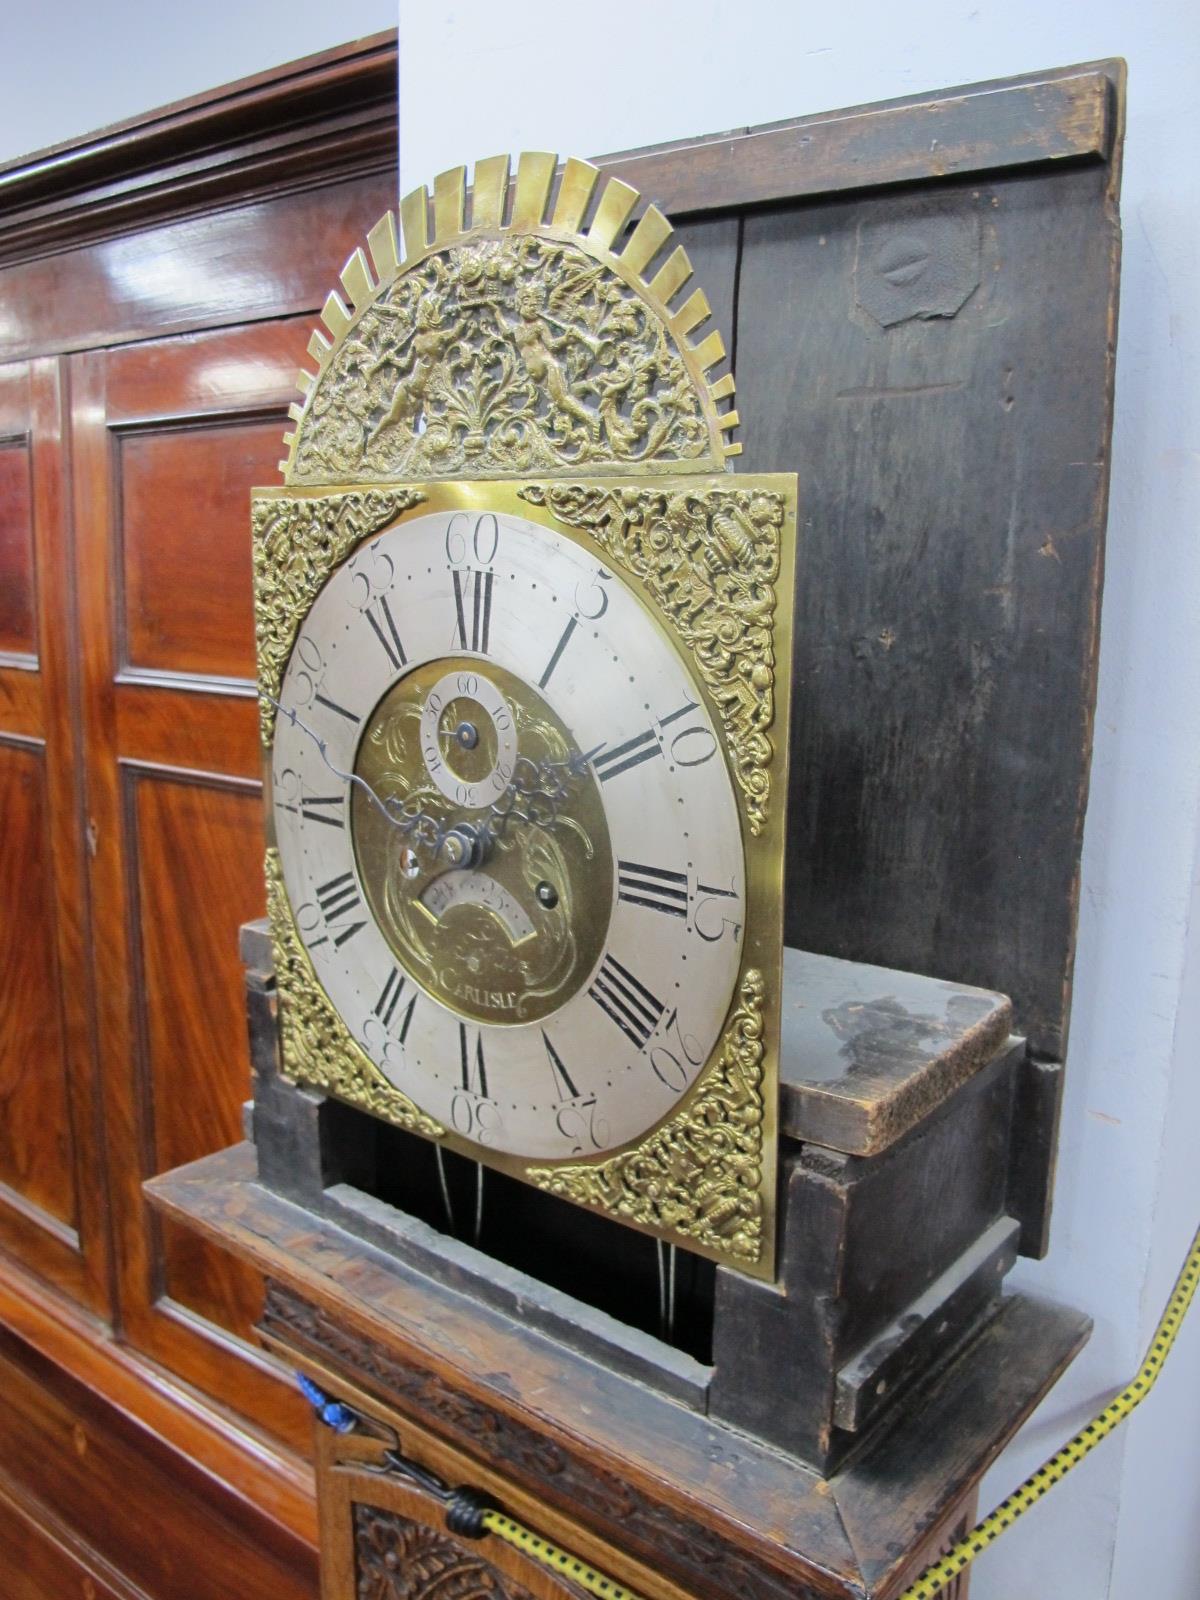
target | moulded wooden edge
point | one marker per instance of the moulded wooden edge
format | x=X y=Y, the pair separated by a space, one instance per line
x=240 y=1469
x=1067 y=113
x=878 y=1093
x=846 y=1537
x=186 y=156
x=299 y=124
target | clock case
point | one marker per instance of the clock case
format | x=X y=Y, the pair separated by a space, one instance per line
x=525 y=1396
x=905 y=1187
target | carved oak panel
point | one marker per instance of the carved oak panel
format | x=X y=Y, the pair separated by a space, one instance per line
x=399 y=1559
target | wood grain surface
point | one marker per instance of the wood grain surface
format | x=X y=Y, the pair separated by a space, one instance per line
x=36 y=1165
x=16 y=551
x=706 y=1506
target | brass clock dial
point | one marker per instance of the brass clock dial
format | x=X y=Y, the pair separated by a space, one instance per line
x=508 y=833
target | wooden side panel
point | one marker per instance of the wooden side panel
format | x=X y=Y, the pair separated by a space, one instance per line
x=51 y=1217
x=35 y=1137
x=185 y=558
x=94 y=1481
x=16 y=550
x=937 y=368
x=197 y=851
x=38 y=1562
x=170 y=438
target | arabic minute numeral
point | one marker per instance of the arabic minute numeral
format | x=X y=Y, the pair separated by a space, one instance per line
x=597 y=597
x=690 y=747
x=668 y=1067
x=626 y=1001
x=709 y=915
x=473 y=1113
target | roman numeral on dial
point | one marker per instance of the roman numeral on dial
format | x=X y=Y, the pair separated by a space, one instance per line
x=563 y=1086
x=626 y=1001
x=339 y=900
x=562 y=644
x=324 y=700
x=326 y=808
x=387 y=1006
x=642 y=747
x=474 y=1072
x=473 y=608
x=379 y=615
x=653 y=887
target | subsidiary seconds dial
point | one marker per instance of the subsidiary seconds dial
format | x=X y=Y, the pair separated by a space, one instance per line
x=508 y=833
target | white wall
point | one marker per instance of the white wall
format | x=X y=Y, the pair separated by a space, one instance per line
x=543 y=75
x=557 y=76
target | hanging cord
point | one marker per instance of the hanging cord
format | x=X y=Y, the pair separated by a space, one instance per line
x=472 y=1515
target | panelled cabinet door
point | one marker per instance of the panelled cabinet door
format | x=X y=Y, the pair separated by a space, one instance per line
x=169 y=438
x=51 y=1214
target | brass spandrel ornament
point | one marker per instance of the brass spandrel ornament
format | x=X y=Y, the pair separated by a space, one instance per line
x=522 y=654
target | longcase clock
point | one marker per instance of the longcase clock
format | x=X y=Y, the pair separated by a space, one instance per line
x=523 y=660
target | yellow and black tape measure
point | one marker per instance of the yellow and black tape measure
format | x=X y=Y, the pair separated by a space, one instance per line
x=474 y=1516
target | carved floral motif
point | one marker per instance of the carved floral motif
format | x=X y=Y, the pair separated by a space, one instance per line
x=398 y=1559
x=710 y=558
x=510 y=356
x=567 y=1474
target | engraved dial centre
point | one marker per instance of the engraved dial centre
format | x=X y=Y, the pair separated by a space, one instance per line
x=498 y=901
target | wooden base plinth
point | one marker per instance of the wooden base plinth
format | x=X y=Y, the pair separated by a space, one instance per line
x=667 y=1500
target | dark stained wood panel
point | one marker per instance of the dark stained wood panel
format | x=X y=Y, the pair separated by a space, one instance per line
x=1066 y=115
x=35 y=1124
x=937 y=368
x=17 y=631
x=185 y=553
x=198 y=849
